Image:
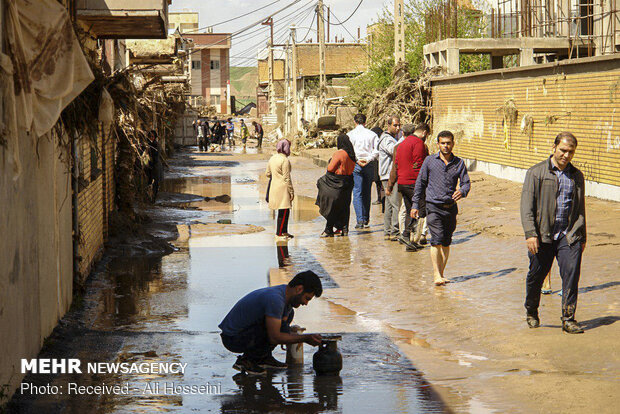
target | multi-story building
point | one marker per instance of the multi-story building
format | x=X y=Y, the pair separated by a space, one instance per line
x=209 y=62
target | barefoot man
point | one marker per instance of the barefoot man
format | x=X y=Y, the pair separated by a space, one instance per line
x=438 y=178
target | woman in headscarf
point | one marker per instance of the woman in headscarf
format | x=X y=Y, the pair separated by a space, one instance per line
x=335 y=187
x=280 y=192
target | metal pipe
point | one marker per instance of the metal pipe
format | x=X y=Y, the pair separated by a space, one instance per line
x=75 y=173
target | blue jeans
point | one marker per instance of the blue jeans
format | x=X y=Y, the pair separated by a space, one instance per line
x=363 y=178
x=569 y=261
x=253 y=342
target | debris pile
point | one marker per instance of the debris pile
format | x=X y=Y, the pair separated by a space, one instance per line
x=406 y=97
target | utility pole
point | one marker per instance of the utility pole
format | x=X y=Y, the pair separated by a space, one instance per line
x=294 y=120
x=328 y=16
x=322 y=80
x=272 y=91
x=399 y=32
x=287 y=90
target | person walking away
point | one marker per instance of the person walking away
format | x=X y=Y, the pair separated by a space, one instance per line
x=245 y=133
x=377 y=180
x=230 y=132
x=200 y=135
x=553 y=215
x=386 y=144
x=154 y=169
x=365 y=145
x=258 y=131
x=280 y=193
x=334 y=196
x=438 y=179
x=261 y=320
x=408 y=161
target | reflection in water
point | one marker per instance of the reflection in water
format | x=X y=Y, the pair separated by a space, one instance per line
x=283 y=256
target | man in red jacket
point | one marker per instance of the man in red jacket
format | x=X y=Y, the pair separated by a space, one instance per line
x=408 y=160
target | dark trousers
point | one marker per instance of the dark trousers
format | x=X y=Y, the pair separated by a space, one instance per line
x=259 y=138
x=282 y=222
x=254 y=341
x=407 y=192
x=363 y=178
x=569 y=262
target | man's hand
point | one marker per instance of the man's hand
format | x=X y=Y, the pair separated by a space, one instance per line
x=457 y=195
x=388 y=191
x=362 y=163
x=583 y=246
x=313 y=339
x=415 y=213
x=532 y=245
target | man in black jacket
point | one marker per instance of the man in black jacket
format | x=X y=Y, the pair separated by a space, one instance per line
x=553 y=216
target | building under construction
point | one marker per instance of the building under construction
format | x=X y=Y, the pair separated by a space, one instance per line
x=537 y=31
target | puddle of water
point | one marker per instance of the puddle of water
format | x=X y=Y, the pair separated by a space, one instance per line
x=168 y=309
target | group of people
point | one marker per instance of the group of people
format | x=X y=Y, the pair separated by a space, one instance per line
x=421 y=191
x=430 y=185
x=209 y=132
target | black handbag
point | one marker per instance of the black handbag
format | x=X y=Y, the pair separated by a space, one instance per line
x=268 y=187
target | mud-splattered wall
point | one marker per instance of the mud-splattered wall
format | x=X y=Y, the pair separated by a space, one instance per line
x=511 y=117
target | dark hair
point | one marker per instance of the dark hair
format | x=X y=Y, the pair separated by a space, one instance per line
x=360 y=119
x=445 y=134
x=309 y=280
x=392 y=118
x=423 y=126
x=377 y=130
x=407 y=129
x=565 y=136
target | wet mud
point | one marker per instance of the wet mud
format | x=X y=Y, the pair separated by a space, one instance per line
x=407 y=345
x=164 y=309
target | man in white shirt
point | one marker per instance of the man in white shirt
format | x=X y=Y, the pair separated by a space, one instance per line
x=387 y=142
x=365 y=145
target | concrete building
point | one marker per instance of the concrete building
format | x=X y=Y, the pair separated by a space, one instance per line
x=535 y=31
x=183 y=21
x=341 y=59
x=210 y=70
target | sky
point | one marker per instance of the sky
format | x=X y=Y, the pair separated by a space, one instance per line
x=245 y=48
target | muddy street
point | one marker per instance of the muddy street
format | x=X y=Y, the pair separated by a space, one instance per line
x=407 y=345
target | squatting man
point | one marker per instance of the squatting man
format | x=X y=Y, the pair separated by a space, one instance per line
x=261 y=320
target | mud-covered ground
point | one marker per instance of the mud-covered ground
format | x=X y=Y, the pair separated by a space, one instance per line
x=408 y=346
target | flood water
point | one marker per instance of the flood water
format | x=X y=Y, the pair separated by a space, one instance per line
x=167 y=310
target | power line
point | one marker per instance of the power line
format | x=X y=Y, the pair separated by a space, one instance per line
x=347 y=19
x=238 y=17
x=285 y=24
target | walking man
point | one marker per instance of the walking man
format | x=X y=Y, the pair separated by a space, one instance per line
x=230 y=132
x=408 y=161
x=200 y=135
x=438 y=179
x=261 y=320
x=365 y=145
x=553 y=215
x=387 y=142
x=258 y=131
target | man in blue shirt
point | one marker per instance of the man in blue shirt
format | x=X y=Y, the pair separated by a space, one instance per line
x=261 y=320
x=438 y=178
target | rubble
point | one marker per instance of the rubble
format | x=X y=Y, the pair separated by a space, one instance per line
x=406 y=97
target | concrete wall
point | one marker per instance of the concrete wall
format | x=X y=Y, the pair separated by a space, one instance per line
x=36 y=281
x=581 y=96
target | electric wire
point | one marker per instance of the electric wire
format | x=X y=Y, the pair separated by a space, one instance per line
x=238 y=17
x=347 y=19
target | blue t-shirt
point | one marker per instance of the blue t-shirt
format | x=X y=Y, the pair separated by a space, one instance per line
x=253 y=307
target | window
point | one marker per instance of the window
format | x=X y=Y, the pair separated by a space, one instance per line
x=215 y=64
x=195 y=64
x=215 y=99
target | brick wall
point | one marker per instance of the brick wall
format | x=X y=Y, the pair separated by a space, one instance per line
x=95 y=199
x=582 y=97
